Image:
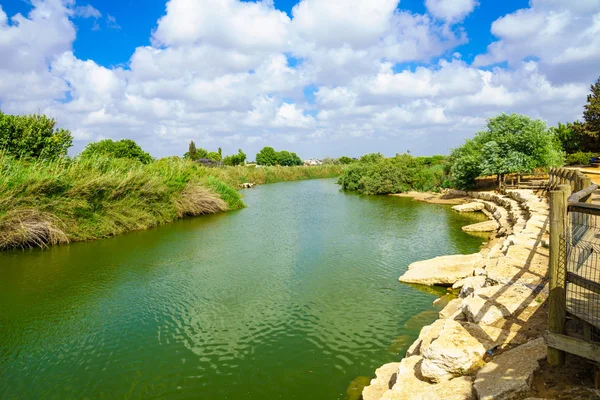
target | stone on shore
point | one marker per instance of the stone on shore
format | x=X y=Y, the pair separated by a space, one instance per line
x=385 y=378
x=510 y=374
x=469 y=207
x=452 y=310
x=486 y=226
x=427 y=335
x=471 y=284
x=454 y=353
x=443 y=271
x=491 y=304
x=410 y=385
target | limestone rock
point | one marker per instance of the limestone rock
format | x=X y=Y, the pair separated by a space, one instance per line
x=385 y=378
x=458 y=284
x=471 y=285
x=492 y=304
x=427 y=335
x=456 y=389
x=491 y=337
x=444 y=271
x=410 y=385
x=452 y=310
x=486 y=226
x=469 y=207
x=510 y=374
x=454 y=353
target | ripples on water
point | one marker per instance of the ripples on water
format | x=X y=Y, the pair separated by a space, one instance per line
x=295 y=296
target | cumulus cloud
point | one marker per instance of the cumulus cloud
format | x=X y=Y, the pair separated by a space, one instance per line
x=563 y=36
x=451 y=10
x=335 y=77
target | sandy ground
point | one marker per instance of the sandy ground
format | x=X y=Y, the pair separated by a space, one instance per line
x=435 y=198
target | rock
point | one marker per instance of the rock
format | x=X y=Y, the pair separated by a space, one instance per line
x=427 y=335
x=444 y=271
x=469 y=207
x=452 y=310
x=458 y=284
x=454 y=353
x=456 y=389
x=385 y=378
x=491 y=337
x=471 y=285
x=491 y=304
x=510 y=374
x=479 y=272
x=486 y=226
x=411 y=386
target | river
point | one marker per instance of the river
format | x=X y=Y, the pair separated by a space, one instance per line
x=294 y=297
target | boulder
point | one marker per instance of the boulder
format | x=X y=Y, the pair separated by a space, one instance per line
x=385 y=378
x=427 y=335
x=469 y=207
x=489 y=305
x=443 y=271
x=486 y=226
x=471 y=285
x=454 y=353
x=509 y=375
x=491 y=337
x=410 y=385
x=452 y=310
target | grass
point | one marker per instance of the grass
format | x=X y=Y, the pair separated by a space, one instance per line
x=46 y=203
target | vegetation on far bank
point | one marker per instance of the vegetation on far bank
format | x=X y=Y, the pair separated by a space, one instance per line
x=511 y=143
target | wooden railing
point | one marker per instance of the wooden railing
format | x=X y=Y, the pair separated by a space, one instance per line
x=574 y=270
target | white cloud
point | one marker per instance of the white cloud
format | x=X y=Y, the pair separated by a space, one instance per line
x=87 y=11
x=451 y=10
x=233 y=74
x=564 y=36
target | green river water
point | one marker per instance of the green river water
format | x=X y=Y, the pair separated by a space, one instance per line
x=294 y=297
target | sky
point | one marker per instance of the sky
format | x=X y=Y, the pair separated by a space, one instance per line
x=318 y=77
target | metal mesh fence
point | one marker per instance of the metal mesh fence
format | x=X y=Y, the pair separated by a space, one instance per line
x=580 y=250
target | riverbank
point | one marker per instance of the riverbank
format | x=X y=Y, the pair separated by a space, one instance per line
x=45 y=203
x=486 y=343
x=449 y=197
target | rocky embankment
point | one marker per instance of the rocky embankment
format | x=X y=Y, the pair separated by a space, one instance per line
x=486 y=343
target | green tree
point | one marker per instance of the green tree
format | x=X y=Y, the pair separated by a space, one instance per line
x=371 y=157
x=33 y=136
x=345 y=160
x=569 y=136
x=214 y=155
x=235 y=159
x=295 y=159
x=512 y=143
x=285 y=158
x=192 y=153
x=125 y=148
x=591 y=111
x=267 y=156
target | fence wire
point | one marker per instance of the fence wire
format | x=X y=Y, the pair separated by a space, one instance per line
x=580 y=250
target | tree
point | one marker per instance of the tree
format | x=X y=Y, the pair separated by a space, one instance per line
x=569 y=136
x=215 y=156
x=371 y=157
x=267 y=156
x=591 y=111
x=125 y=148
x=345 y=160
x=192 y=154
x=235 y=159
x=33 y=136
x=512 y=143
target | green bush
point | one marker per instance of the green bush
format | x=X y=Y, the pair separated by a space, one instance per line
x=580 y=158
x=125 y=148
x=33 y=136
x=391 y=175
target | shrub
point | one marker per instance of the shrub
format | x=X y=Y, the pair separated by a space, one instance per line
x=33 y=136
x=125 y=148
x=580 y=158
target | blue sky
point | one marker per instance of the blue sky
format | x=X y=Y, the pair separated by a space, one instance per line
x=332 y=78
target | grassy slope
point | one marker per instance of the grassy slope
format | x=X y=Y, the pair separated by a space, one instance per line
x=45 y=203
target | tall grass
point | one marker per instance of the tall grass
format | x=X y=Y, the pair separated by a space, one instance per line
x=44 y=203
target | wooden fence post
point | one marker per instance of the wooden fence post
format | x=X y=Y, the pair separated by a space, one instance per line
x=557 y=307
x=586 y=182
